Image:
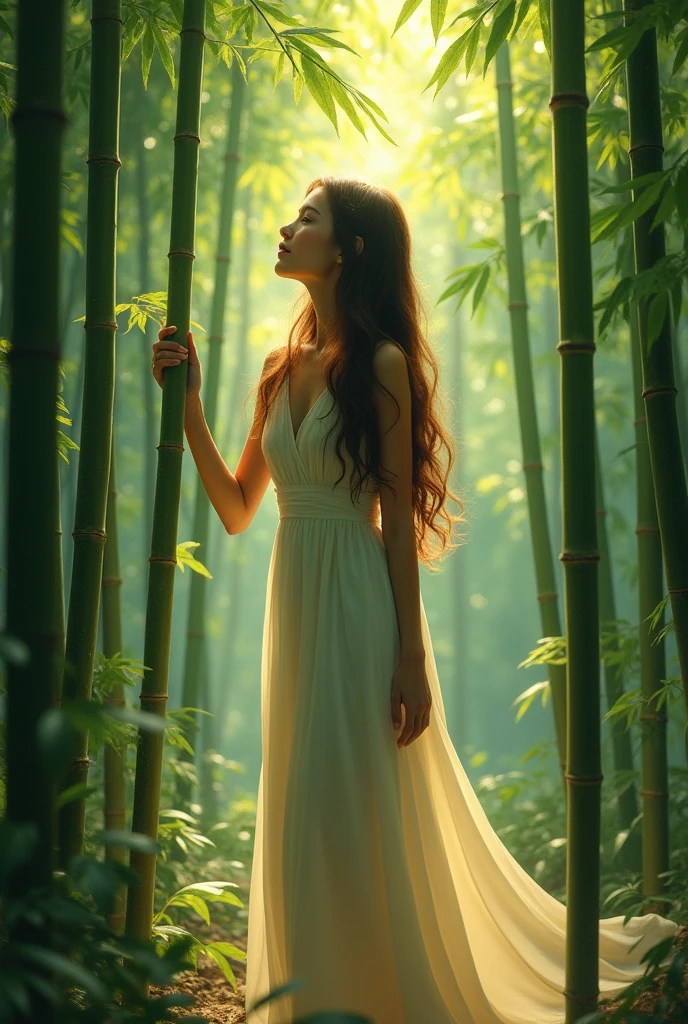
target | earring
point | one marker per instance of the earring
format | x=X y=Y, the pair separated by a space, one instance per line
x=339 y=259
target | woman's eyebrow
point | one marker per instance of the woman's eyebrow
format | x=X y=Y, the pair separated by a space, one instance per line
x=302 y=208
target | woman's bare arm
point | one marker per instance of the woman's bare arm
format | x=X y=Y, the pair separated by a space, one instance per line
x=234 y=496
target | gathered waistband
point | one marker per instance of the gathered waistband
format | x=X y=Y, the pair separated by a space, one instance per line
x=319 y=501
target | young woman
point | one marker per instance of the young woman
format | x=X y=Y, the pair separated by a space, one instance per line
x=377 y=878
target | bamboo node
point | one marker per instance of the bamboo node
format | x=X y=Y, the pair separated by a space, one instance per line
x=171 y=445
x=676 y=591
x=104 y=160
x=646 y=145
x=511 y=195
x=182 y=252
x=587 y=347
x=166 y=559
x=532 y=467
x=96 y=534
x=506 y=84
x=111 y=324
x=517 y=305
x=232 y=156
x=153 y=696
x=583 y=780
x=638 y=422
x=106 y=17
x=548 y=595
x=581 y=998
x=568 y=99
x=653 y=718
x=651 y=531
x=654 y=792
x=601 y=512
x=187 y=135
x=111 y=581
x=111 y=814
x=215 y=337
x=116 y=702
x=81 y=760
x=654 y=392
x=223 y=259
x=574 y=557
x=193 y=28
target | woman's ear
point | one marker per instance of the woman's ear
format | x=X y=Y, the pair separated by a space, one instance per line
x=358 y=242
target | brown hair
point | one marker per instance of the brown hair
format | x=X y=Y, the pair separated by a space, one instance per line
x=376 y=298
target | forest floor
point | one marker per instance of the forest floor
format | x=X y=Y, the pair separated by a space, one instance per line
x=216 y=1000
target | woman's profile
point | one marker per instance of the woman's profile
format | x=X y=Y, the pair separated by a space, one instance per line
x=377 y=877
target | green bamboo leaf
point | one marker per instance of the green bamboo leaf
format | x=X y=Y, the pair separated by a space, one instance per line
x=523 y=8
x=279 y=70
x=184 y=557
x=147 y=50
x=500 y=30
x=472 y=48
x=632 y=184
x=543 y=6
x=322 y=35
x=681 y=188
x=4 y=25
x=342 y=98
x=297 y=76
x=196 y=903
x=319 y=88
x=682 y=52
x=480 y=287
x=222 y=963
x=616 y=36
x=277 y=13
x=665 y=208
x=406 y=11
x=438 y=12
x=449 y=61
x=164 y=50
x=78 y=792
x=227 y=949
x=121 y=839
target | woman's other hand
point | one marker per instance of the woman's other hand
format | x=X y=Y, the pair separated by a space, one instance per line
x=171 y=353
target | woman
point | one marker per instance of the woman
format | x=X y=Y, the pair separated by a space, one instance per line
x=377 y=878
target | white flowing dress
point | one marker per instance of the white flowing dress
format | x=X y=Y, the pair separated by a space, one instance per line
x=377 y=877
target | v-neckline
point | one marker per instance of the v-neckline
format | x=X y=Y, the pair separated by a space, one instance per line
x=289 y=418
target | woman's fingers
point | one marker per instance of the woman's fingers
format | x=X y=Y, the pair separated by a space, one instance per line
x=416 y=723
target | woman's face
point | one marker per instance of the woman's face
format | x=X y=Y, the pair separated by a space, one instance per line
x=307 y=251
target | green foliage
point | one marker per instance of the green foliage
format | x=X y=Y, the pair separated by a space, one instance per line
x=88 y=973
x=672 y=994
x=475 y=276
x=184 y=557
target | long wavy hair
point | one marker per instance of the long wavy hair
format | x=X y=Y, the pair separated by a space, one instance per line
x=376 y=298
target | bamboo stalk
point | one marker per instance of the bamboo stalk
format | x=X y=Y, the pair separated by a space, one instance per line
x=99 y=379
x=622 y=752
x=525 y=395
x=580 y=556
x=654 y=767
x=149 y=337
x=195 y=637
x=168 y=478
x=38 y=121
x=114 y=758
x=659 y=390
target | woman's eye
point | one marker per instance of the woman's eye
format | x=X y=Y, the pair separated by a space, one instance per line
x=307 y=220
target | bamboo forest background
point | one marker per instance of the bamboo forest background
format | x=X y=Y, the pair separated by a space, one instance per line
x=445 y=154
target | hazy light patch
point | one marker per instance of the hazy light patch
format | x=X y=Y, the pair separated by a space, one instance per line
x=150 y=142
x=539 y=46
x=205 y=96
x=478 y=601
x=478 y=384
x=473 y=115
x=451 y=103
x=367 y=43
x=513 y=466
x=437 y=250
x=515 y=495
x=494 y=407
x=296 y=152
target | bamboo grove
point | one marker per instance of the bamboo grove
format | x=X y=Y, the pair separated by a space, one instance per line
x=563 y=161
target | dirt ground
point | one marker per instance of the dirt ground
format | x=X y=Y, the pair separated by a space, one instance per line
x=216 y=1000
